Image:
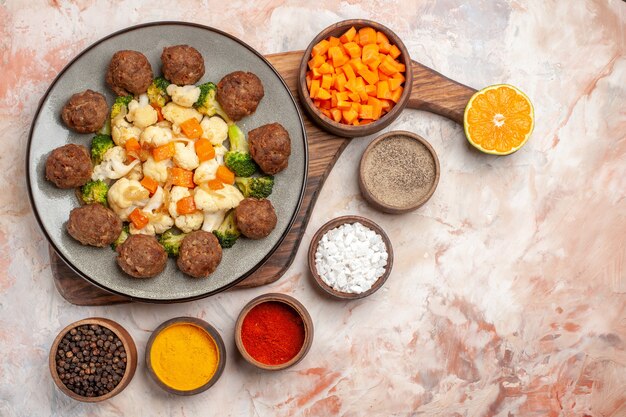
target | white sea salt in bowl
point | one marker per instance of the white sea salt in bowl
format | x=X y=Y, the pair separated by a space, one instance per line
x=350 y=257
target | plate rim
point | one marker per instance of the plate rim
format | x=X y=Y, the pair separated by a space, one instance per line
x=29 y=186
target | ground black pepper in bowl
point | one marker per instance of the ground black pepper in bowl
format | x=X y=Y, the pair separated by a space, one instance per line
x=399 y=172
x=90 y=360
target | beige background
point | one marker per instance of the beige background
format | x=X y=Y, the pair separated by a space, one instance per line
x=509 y=289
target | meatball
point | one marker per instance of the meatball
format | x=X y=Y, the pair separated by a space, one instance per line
x=129 y=72
x=141 y=256
x=199 y=255
x=85 y=112
x=270 y=147
x=255 y=218
x=182 y=64
x=239 y=94
x=69 y=166
x=94 y=225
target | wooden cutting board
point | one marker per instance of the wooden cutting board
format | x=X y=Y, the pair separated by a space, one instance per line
x=431 y=92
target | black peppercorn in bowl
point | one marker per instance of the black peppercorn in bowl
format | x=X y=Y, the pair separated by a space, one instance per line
x=93 y=359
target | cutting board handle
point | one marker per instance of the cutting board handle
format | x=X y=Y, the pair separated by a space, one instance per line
x=436 y=93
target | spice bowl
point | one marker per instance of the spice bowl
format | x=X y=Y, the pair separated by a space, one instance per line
x=399 y=172
x=335 y=223
x=346 y=130
x=274 y=332
x=94 y=340
x=169 y=357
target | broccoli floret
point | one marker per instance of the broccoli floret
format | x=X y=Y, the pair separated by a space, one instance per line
x=120 y=106
x=227 y=233
x=207 y=102
x=171 y=240
x=122 y=237
x=238 y=158
x=95 y=192
x=257 y=187
x=99 y=145
x=157 y=92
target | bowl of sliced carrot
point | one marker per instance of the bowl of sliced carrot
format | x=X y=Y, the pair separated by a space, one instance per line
x=355 y=78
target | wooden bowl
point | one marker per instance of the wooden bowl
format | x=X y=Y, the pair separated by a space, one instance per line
x=341 y=129
x=336 y=223
x=291 y=302
x=371 y=198
x=219 y=343
x=129 y=347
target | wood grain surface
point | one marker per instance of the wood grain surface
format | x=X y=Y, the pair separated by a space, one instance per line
x=431 y=92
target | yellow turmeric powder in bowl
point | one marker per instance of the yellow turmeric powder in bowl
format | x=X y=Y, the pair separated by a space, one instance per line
x=184 y=356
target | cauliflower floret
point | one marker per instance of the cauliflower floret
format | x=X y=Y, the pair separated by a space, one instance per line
x=185 y=156
x=189 y=222
x=125 y=195
x=158 y=222
x=136 y=173
x=121 y=131
x=220 y=151
x=156 y=136
x=156 y=201
x=225 y=198
x=213 y=220
x=177 y=114
x=205 y=171
x=184 y=96
x=141 y=113
x=214 y=129
x=157 y=170
x=112 y=166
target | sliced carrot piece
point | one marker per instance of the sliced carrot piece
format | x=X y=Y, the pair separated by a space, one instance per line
x=369 y=53
x=327 y=81
x=325 y=105
x=344 y=105
x=149 y=184
x=191 y=128
x=204 y=149
x=370 y=90
x=316 y=61
x=367 y=112
x=399 y=76
x=323 y=94
x=308 y=78
x=182 y=177
x=340 y=82
x=349 y=72
x=164 y=152
x=186 y=205
x=336 y=114
x=353 y=49
x=316 y=73
x=384 y=47
x=394 y=83
x=382 y=76
x=225 y=175
x=326 y=68
x=160 y=117
x=133 y=148
x=370 y=77
x=348 y=35
x=383 y=90
x=395 y=95
x=333 y=41
x=381 y=38
x=357 y=64
x=354 y=97
x=138 y=219
x=315 y=86
x=349 y=115
x=388 y=68
x=215 y=184
x=320 y=48
x=376 y=107
x=394 y=51
x=367 y=35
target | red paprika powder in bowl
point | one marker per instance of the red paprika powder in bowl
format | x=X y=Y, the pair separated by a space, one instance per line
x=274 y=331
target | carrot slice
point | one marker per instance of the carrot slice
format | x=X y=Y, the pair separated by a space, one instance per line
x=367 y=35
x=182 y=177
x=336 y=114
x=320 y=48
x=215 y=184
x=133 y=148
x=156 y=107
x=191 y=128
x=186 y=205
x=323 y=94
x=333 y=41
x=225 y=175
x=164 y=152
x=394 y=51
x=348 y=35
x=369 y=53
x=394 y=83
x=150 y=184
x=316 y=61
x=327 y=81
x=315 y=86
x=381 y=38
x=353 y=49
x=138 y=219
x=383 y=90
x=204 y=149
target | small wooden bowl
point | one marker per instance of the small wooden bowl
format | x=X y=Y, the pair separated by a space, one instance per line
x=291 y=302
x=219 y=343
x=341 y=129
x=129 y=347
x=336 y=223
x=375 y=202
